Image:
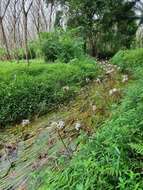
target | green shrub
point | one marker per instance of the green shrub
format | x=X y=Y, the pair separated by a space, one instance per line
x=24 y=89
x=127 y=60
x=63 y=46
x=20 y=53
x=112 y=158
x=51 y=47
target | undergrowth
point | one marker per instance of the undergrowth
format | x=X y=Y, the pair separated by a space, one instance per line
x=113 y=157
x=26 y=91
x=128 y=60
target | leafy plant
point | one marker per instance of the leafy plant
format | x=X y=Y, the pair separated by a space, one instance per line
x=128 y=60
x=60 y=45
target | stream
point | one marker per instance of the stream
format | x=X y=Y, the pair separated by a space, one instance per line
x=24 y=150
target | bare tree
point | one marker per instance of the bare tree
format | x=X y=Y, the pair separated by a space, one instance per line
x=22 y=21
x=26 y=6
x=3 y=10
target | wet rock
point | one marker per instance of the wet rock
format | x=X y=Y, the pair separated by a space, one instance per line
x=11 y=151
x=10 y=148
x=5 y=166
x=42 y=156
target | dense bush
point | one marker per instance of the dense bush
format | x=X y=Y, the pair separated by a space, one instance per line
x=27 y=91
x=128 y=59
x=60 y=45
x=50 y=46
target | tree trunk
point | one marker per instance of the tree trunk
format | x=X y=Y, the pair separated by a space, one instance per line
x=4 y=39
x=25 y=38
x=51 y=13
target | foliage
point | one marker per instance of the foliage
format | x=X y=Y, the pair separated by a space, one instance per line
x=20 y=53
x=112 y=158
x=128 y=60
x=60 y=45
x=24 y=89
x=104 y=27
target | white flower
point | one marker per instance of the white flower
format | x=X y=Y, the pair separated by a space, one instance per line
x=61 y=124
x=87 y=80
x=125 y=78
x=113 y=91
x=94 y=108
x=109 y=71
x=25 y=122
x=98 y=80
x=66 y=88
x=77 y=126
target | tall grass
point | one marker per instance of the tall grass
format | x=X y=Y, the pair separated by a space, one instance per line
x=26 y=91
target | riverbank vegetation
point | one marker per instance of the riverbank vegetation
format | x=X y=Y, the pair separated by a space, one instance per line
x=112 y=158
x=36 y=89
x=71 y=94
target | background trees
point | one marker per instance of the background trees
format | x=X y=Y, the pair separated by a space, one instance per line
x=105 y=26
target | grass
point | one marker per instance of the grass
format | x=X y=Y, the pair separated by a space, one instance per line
x=127 y=60
x=112 y=158
x=29 y=91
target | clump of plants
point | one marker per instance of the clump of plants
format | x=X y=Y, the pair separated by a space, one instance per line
x=60 y=45
x=128 y=60
x=35 y=90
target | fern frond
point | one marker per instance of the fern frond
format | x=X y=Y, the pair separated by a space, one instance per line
x=137 y=147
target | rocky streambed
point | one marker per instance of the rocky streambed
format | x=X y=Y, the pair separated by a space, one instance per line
x=25 y=149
